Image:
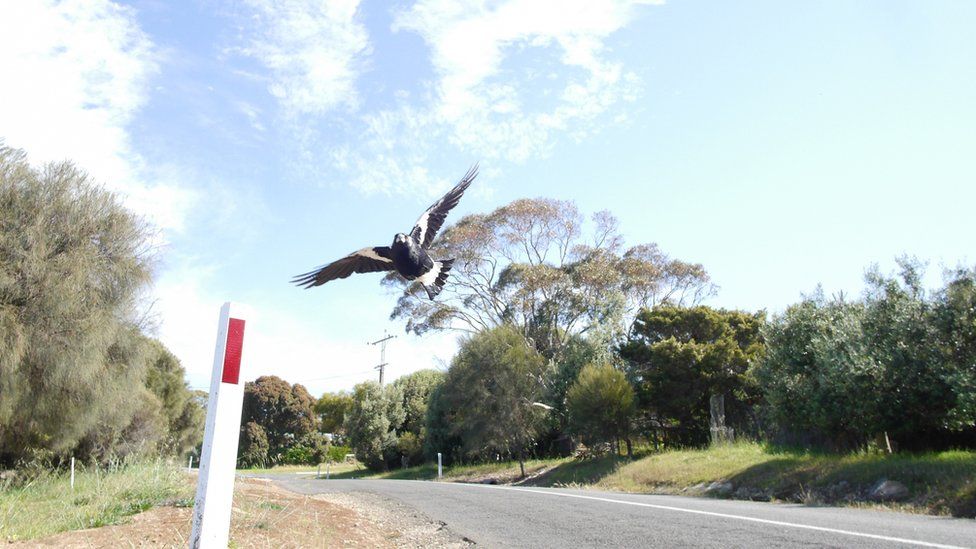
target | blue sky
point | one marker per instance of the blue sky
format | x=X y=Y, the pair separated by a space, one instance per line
x=780 y=144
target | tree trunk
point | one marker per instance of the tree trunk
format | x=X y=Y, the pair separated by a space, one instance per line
x=630 y=448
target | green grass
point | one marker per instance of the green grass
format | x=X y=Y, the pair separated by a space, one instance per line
x=503 y=471
x=47 y=505
x=938 y=482
x=293 y=469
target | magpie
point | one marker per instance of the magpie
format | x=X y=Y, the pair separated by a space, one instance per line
x=407 y=255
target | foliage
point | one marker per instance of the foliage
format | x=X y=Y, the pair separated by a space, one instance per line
x=337 y=454
x=677 y=358
x=578 y=353
x=371 y=424
x=601 y=405
x=183 y=414
x=954 y=317
x=331 y=410
x=416 y=389
x=488 y=394
x=527 y=265
x=285 y=413
x=76 y=374
x=840 y=373
x=252 y=447
x=410 y=448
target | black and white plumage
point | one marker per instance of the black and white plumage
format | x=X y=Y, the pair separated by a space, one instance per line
x=407 y=255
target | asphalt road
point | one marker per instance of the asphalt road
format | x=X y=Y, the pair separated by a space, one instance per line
x=501 y=516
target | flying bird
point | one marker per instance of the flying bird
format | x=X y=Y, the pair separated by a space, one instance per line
x=407 y=255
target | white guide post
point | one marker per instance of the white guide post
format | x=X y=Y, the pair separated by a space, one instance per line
x=218 y=460
x=440 y=468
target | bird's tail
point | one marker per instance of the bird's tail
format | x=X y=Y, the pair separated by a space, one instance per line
x=434 y=280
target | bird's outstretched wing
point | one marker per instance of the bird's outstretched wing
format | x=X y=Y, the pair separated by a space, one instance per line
x=367 y=260
x=427 y=226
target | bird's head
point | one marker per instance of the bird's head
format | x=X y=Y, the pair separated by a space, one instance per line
x=399 y=238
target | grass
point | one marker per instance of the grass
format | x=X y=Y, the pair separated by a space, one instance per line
x=938 y=482
x=47 y=505
x=335 y=468
x=503 y=471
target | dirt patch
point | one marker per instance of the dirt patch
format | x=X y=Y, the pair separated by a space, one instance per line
x=263 y=516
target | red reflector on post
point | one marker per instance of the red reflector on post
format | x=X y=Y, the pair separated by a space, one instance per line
x=232 y=354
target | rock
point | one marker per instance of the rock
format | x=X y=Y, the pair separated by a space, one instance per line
x=490 y=481
x=720 y=488
x=743 y=492
x=888 y=490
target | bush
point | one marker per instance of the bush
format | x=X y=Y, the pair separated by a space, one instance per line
x=337 y=454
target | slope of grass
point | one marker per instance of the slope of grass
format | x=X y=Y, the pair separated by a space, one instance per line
x=938 y=482
x=46 y=504
x=335 y=468
x=500 y=471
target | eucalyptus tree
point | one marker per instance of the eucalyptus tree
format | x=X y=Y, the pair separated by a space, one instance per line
x=529 y=264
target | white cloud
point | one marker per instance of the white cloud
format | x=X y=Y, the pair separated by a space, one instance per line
x=314 y=50
x=511 y=77
x=74 y=75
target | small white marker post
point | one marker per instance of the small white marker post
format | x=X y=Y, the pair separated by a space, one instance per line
x=218 y=460
x=72 y=473
x=328 y=467
x=189 y=464
x=440 y=469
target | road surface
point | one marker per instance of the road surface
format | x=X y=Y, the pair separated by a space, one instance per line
x=504 y=516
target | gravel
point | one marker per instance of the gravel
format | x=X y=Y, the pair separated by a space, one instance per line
x=403 y=526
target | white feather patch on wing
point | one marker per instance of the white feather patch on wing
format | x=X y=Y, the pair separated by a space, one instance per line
x=370 y=253
x=430 y=277
x=421 y=224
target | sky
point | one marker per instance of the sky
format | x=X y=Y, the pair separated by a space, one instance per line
x=780 y=144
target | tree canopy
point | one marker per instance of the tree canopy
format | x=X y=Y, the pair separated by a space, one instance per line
x=528 y=264
x=284 y=412
x=898 y=362
x=490 y=393
x=601 y=405
x=679 y=357
x=371 y=424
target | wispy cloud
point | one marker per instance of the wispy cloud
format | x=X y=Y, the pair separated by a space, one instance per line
x=74 y=75
x=315 y=51
x=512 y=78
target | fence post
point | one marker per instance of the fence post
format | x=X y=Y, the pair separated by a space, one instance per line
x=218 y=460
x=440 y=469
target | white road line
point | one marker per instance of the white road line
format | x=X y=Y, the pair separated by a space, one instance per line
x=724 y=515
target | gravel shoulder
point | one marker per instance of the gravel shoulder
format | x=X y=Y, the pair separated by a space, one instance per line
x=267 y=516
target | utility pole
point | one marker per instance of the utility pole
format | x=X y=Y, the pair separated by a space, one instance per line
x=382 y=344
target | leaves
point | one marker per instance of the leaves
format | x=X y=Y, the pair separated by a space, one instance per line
x=527 y=264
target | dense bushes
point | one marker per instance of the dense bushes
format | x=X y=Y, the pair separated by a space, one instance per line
x=898 y=363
